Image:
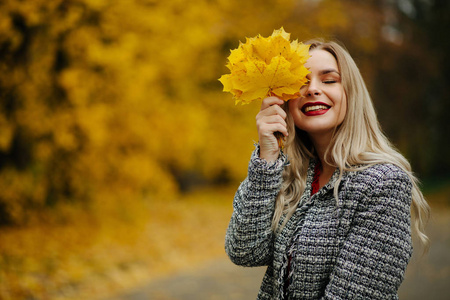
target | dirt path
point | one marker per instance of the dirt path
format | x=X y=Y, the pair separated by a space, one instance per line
x=214 y=281
x=426 y=278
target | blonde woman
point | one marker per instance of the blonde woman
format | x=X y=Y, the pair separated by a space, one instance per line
x=330 y=215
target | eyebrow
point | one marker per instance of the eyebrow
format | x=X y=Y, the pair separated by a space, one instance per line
x=327 y=71
x=324 y=72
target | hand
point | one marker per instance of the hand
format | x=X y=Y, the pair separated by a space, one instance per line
x=270 y=119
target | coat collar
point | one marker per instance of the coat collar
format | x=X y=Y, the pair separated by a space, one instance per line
x=310 y=177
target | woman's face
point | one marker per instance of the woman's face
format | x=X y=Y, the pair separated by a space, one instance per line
x=323 y=104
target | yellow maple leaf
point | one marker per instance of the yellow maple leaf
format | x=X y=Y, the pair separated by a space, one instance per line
x=261 y=67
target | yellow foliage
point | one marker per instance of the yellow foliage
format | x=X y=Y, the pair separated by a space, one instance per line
x=123 y=94
x=331 y=15
x=266 y=66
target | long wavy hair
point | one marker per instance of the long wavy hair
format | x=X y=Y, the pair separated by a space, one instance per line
x=356 y=144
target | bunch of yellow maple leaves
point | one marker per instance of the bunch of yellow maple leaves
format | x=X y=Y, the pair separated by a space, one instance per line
x=266 y=66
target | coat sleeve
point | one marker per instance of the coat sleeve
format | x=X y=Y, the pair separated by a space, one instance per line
x=249 y=237
x=374 y=255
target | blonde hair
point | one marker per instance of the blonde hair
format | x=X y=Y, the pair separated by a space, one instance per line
x=357 y=142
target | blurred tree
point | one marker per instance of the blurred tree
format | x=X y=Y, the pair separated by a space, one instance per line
x=106 y=98
x=122 y=97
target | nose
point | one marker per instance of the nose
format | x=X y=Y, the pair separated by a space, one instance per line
x=312 y=89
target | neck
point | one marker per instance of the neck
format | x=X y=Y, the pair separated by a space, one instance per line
x=321 y=143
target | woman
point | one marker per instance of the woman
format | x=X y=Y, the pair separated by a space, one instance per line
x=331 y=218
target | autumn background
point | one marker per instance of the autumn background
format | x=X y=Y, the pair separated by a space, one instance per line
x=119 y=152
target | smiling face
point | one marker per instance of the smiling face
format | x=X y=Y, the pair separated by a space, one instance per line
x=324 y=103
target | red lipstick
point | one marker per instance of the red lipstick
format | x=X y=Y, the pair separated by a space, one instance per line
x=315 y=108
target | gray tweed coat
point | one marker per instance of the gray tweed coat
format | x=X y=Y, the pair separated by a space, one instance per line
x=358 y=249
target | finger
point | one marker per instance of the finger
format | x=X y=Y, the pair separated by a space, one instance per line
x=272 y=124
x=272 y=119
x=268 y=130
x=272 y=110
x=269 y=101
